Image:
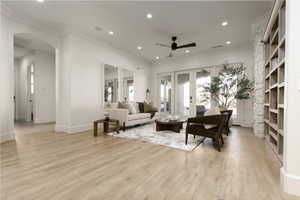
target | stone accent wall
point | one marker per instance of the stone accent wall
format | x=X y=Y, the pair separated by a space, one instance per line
x=259 y=77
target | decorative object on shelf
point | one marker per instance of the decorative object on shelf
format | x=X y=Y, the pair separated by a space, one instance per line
x=231 y=83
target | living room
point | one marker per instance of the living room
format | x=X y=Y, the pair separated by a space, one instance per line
x=161 y=100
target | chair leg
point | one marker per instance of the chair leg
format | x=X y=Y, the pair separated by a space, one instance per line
x=218 y=144
x=222 y=139
x=186 y=138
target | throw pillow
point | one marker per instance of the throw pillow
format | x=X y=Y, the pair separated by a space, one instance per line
x=141 y=107
x=137 y=108
x=131 y=108
x=149 y=108
x=208 y=113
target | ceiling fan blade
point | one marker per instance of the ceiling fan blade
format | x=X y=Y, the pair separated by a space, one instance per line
x=187 y=45
x=163 y=45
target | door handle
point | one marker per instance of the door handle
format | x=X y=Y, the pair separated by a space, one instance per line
x=191 y=99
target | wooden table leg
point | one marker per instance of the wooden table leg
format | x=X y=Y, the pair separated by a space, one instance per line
x=105 y=126
x=118 y=127
x=95 y=129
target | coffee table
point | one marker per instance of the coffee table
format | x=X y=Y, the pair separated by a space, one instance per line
x=171 y=125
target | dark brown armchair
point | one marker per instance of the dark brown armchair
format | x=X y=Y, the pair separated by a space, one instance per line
x=196 y=126
x=226 y=127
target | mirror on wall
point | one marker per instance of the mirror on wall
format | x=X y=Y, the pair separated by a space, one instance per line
x=110 y=84
x=128 y=85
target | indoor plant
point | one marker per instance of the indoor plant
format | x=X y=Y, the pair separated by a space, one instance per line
x=231 y=83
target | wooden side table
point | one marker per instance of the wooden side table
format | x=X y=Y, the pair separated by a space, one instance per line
x=106 y=126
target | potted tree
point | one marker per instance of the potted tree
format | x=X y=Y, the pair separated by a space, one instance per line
x=231 y=83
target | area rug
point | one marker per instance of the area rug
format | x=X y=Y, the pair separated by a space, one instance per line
x=167 y=138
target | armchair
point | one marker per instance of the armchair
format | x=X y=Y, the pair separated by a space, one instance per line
x=226 y=126
x=196 y=126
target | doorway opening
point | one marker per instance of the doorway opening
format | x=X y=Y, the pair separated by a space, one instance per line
x=34 y=85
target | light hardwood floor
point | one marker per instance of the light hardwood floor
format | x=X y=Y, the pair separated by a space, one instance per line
x=48 y=165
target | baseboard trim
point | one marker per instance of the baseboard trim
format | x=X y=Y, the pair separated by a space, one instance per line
x=7 y=136
x=44 y=122
x=290 y=183
x=73 y=129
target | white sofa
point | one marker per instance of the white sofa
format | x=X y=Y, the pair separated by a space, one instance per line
x=127 y=120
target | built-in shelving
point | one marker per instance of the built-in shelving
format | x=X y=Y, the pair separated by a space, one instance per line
x=275 y=80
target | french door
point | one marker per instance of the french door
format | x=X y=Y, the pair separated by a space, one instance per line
x=165 y=87
x=190 y=96
x=183 y=93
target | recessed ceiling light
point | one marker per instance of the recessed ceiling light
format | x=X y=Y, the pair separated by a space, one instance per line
x=139 y=47
x=40 y=0
x=157 y=57
x=187 y=51
x=225 y=23
x=228 y=42
x=110 y=32
x=149 y=15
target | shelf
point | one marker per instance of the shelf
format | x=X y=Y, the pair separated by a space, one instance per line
x=267 y=104
x=274 y=111
x=280 y=85
x=274 y=86
x=274 y=136
x=281 y=106
x=275 y=36
x=275 y=51
x=282 y=41
x=274 y=126
x=280 y=131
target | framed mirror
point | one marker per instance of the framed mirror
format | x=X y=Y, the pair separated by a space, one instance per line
x=128 y=85
x=110 y=84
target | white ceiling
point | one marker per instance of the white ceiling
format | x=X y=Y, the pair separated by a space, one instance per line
x=25 y=43
x=198 y=22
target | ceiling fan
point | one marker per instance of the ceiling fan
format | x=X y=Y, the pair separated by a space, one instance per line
x=174 y=46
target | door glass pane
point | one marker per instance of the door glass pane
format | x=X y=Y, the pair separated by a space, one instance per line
x=131 y=92
x=32 y=89
x=203 y=99
x=183 y=94
x=165 y=94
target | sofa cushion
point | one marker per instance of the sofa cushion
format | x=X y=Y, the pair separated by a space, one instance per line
x=209 y=113
x=138 y=116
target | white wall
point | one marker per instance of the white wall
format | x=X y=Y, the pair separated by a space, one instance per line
x=243 y=53
x=79 y=74
x=11 y=25
x=82 y=69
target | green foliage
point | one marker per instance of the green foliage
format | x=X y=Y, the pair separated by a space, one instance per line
x=231 y=84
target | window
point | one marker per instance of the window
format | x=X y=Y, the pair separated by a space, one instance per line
x=31 y=79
